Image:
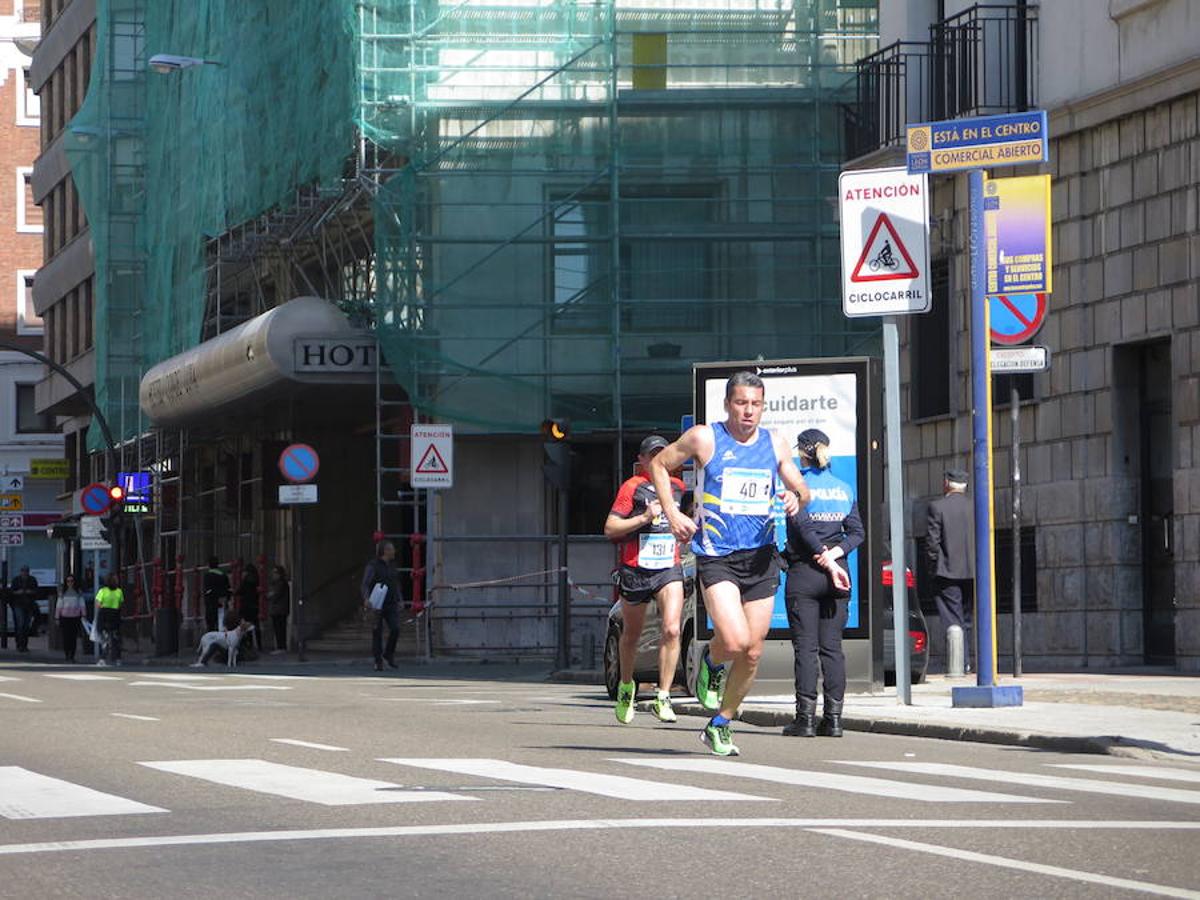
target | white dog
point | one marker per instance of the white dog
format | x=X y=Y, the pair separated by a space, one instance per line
x=229 y=641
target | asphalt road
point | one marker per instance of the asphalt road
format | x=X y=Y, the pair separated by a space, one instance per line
x=487 y=782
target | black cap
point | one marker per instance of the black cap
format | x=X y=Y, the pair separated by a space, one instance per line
x=651 y=443
x=810 y=437
x=958 y=476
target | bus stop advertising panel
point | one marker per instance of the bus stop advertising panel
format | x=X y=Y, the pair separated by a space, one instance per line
x=841 y=398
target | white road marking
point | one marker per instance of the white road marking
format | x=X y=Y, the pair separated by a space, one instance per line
x=853 y=784
x=210 y=687
x=618 y=825
x=1163 y=774
x=19 y=697
x=135 y=718
x=437 y=701
x=81 y=676
x=30 y=795
x=1085 y=785
x=8 y=678
x=296 y=783
x=295 y=743
x=177 y=676
x=1004 y=862
x=617 y=786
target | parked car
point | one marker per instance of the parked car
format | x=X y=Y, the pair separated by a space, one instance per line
x=646 y=660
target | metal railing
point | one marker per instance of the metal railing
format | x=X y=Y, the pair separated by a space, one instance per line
x=982 y=61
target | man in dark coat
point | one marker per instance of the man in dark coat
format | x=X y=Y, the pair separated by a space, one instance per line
x=23 y=602
x=382 y=570
x=950 y=552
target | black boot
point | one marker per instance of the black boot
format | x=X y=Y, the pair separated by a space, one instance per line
x=804 y=725
x=831 y=719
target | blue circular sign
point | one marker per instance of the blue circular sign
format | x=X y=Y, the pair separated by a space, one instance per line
x=299 y=463
x=1015 y=318
x=95 y=499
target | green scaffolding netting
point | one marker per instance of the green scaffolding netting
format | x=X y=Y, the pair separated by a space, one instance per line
x=163 y=162
x=587 y=197
x=574 y=200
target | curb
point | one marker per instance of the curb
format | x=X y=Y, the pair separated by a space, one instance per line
x=1112 y=745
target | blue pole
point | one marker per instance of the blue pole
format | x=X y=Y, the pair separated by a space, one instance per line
x=981 y=443
x=985 y=692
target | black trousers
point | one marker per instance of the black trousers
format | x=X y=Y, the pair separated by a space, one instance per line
x=210 y=613
x=70 y=627
x=22 y=623
x=817 y=617
x=110 y=631
x=389 y=615
x=956 y=606
x=279 y=625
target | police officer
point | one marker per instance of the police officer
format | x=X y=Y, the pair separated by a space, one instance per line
x=820 y=537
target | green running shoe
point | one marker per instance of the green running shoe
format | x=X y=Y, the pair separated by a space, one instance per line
x=626 y=691
x=710 y=685
x=663 y=709
x=719 y=739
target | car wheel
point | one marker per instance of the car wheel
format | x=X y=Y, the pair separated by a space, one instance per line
x=612 y=663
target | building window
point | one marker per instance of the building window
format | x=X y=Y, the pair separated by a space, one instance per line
x=28 y=322
x=1004 y=592
x=29 y=105
x=930 y=349
x=1002 y=386
x=29 y=421
x=665 y=283
x=29 y=214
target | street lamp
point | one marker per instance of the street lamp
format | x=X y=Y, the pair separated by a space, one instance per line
x=165 y=63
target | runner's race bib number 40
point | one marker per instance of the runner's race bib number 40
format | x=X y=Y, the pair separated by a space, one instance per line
x=746 y=492
x=656 y=551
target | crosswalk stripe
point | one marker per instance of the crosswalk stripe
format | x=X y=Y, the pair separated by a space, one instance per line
x=853 y=784
x=184 y=686
x=296 y=783
x=1163 y=774
x=1086 y=785
x=136 y=718
x=616 y=786
x=30 y=795
x=21 y=698
x=81 y=676
x=310 y=745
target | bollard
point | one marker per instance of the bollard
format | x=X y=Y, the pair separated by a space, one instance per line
x=955 y=663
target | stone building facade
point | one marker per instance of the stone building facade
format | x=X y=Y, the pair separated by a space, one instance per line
x=1110 y=435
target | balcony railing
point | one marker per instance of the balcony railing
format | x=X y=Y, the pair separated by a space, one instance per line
x=982 y=61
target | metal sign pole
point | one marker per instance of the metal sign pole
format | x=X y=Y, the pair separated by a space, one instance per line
x=1015 y=413
x=985 y=693
x=564 y=588
x=895 y=491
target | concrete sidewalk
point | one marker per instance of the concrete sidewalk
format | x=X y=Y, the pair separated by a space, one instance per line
x=1123 y=714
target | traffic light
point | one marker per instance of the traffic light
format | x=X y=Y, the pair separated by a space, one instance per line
x=116 y=494
x=556 y=452
x=107 y=526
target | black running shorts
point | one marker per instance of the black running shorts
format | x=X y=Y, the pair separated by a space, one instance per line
x=637 y=585
x=754 y=572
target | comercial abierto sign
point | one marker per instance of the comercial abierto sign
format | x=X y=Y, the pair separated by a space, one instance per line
x=977 y=143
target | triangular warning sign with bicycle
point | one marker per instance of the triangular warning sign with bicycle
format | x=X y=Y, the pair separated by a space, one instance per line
x=884 y=256
x=432 y=463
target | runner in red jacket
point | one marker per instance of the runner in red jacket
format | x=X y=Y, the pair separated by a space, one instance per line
x=649 y=570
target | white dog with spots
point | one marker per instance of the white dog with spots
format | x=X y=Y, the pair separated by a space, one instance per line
x=229 y=641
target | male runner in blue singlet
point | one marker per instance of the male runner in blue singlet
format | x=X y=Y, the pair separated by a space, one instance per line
x=740 y=466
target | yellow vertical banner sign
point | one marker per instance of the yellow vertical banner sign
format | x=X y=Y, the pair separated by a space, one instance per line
x=649 y=62
x=1016 y=214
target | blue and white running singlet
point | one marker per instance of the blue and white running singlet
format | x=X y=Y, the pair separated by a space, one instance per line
x=735 y=489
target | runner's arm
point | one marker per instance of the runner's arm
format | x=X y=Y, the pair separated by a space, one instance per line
x=695 y=443
x=798 y=496
x=620 y=522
